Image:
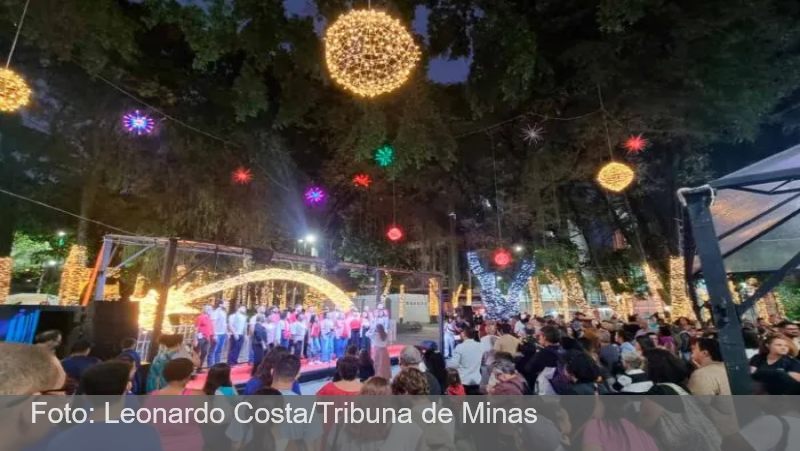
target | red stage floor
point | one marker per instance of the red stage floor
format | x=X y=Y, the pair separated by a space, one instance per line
x=241 y=373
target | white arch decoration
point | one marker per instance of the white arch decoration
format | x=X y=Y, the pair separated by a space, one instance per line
x=336 y=295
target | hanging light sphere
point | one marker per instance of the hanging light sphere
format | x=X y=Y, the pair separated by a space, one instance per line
x=369 y=53
x=502 y=257
x=615 y=177
x=14 y=92
x=242 y=176
x=394 y=233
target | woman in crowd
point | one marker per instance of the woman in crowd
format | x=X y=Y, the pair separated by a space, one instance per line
x=220 y=387
x=327 y=337
x=774 y=355
x=366 y=367
x=376 y=386
x=170 y=349
x=366 y=331
x=665 y=339
x=260 y=340
x=177 y=437
x=263 y=376
x=584 y=373
x=454 y=386
x=677 y=421
x=435 y=365
x=599 y=424
x=380 y=353
x=347 y=368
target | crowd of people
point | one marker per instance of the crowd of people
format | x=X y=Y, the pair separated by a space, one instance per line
x=639 y=360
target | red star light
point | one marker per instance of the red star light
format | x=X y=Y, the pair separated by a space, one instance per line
x=362 y=180
x=394 y=233
x=242 y=176
x=502 y=257
x=635 y=144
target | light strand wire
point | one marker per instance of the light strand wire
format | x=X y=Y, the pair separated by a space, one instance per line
x=16 y=36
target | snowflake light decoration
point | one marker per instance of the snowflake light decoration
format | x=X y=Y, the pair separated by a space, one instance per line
x=242 y=176
x=138 y=123
x=362 y=180
x=384 y=156
x=533 y=134
x=635 y=144
x=315 y=195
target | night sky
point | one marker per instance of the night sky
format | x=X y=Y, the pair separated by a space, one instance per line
x=440 y=70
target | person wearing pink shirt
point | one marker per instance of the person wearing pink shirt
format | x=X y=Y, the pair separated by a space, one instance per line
x=204 y=329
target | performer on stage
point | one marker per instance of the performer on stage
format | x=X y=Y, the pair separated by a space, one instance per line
x=259 y=341
x=366 y=332
x=220 y=320
x=355 y=329
x=342 y=335
x=328 y=336
x=204 y=331
x=237 y=325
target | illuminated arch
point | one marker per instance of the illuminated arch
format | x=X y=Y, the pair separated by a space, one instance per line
x=334 y=293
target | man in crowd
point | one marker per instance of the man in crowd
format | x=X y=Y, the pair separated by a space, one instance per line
x=283 y=377
x=710 y=378
x=298 y=330
x=410 y=357
x=792 y=331
x=110 y=380
x=237 y=327
x=49 y=340
x=79 y=360
x=220 y=319
x=547 y=357
x=577 y=325
x=467 y=359
x=285 y=373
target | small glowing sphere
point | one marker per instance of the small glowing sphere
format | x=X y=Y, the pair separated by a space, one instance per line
x=315 y=195
x=394 y=233
x=615 y=177
x=14 y=92
x=502 y=257
x=369 y=53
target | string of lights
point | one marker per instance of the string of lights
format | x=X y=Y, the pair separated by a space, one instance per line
x=497 y=305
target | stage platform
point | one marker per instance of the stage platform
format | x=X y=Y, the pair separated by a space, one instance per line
x=240 y=374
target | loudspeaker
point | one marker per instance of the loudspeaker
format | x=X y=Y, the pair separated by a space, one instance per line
x=111 y=322
x=261 y=256
x=468 y=313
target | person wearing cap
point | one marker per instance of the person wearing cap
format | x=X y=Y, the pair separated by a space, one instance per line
x=410 y=357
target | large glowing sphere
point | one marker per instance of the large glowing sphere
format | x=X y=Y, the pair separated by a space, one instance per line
x=615 y=177
x=502 y=257
x=14 y=91
x=315 y=195
x=138 y=123
x=394 y=233
x=369 y=53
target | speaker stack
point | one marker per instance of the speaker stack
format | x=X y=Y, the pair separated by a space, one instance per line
x=111 y=322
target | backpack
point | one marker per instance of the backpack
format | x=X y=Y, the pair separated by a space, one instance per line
x=553 y=381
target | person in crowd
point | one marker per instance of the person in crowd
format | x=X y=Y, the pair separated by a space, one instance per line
x=237 y=328
x=366 y=367
x=219 y=386
x=584 y=373
x=685 y=334
x=314 y=344
x=644 y=343
x=410 y=381
x=29 y=370
x=348 y=369
x=170 y=349
x=752 y=343
x=609 y=352
x=380 y=353
x=792 y=331
x=779 y=428
x=450 y=333
x=259 y=339
x=467 y=360
x=220 y=319
x=710 y=379
x=634 y=380
x=677 y=422
x=665 y=339
x=49 y=340
x=204 y=330
x=625 y=341
x=263 y=376
x=454 y=385
x=128 y=346
x=376 y=386
x=110 y=380
x=548 y=357
x=508 y=380
x=506 y=342
x=285 y=374
x=177 y=437
x=218 y=381
x=410 y=357
x=774 y=355
x=435 y=364
x=576 y=326
x=327 y=337
x=599 y=424
x=79 y=360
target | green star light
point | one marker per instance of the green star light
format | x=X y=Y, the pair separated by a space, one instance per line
x=384 y=156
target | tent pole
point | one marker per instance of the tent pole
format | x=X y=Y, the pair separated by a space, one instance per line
x=723 y=309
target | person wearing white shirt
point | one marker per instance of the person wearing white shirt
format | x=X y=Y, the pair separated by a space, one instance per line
x=251 y=325
x=220 y=319
x=467 y=360
x=298 y=330
x=237 y=326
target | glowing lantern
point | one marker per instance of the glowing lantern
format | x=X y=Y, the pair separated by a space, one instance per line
x=615 y=177
x=635 y=144
x=394 y=233
x=502 y=257
x=242 y=176
x=14 y=91
x=369 y=53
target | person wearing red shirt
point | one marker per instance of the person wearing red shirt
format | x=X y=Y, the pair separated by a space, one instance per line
x=314 y=348
x=204 y=329
x=355 y=329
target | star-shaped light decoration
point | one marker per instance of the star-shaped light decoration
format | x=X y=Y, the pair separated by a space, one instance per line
x=315 y=195
x=384 y=156
x=362 y=180
x=242 y=176
x=635 y=144
x=533 y=134
x=138 y=123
